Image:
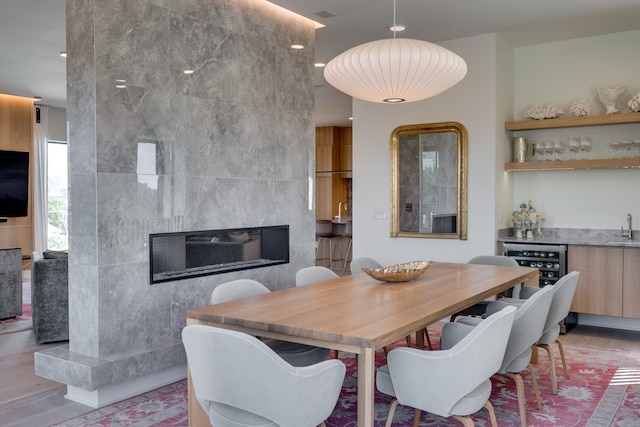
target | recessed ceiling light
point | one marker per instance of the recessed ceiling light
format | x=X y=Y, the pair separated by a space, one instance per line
x=187 y=72
x=319 y=64
x=121 y=86
x=37 y=98
x=297 y=46
x=63 y=54
x=350 y=118
x=396 y=28
x=121 y=80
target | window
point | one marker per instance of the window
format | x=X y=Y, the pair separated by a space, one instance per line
x=58 y=196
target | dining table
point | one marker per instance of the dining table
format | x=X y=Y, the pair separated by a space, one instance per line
x=358 y=314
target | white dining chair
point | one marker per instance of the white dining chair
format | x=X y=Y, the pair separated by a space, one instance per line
x=295 y=353
x=239 y=381
x=449 y=383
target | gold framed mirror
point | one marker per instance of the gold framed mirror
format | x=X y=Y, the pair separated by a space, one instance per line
x=429 y=181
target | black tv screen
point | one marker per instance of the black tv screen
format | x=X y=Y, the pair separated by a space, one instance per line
x=14 y=183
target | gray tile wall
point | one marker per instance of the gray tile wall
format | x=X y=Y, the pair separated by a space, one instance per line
x=229 y=146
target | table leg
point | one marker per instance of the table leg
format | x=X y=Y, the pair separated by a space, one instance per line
x=366 y=384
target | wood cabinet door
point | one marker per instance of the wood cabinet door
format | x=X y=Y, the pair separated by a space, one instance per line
x=599 y=290
x=631 y=283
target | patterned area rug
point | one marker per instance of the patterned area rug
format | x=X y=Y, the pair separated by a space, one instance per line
x=20 y=323
x=603 y=390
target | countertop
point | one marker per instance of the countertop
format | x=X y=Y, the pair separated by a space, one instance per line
x=575 y=236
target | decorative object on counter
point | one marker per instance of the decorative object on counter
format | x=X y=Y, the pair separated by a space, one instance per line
x=634 y=103
x=399 y=272
x=525 y=220
x=580 y=108
x=609 y=97
x=538 y=112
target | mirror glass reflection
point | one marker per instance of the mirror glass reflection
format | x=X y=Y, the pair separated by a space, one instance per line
x=428 y=173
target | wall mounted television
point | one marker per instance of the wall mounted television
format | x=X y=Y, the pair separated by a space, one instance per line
x=14 y=183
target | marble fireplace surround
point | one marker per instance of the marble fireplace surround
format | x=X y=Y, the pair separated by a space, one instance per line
x=230 y=145
x=178 y=256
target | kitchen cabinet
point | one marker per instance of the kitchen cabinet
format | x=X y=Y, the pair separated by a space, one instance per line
x=333 y=169
x=609 y=280
x=599 y=289
x=631 y=283
x=573 y=122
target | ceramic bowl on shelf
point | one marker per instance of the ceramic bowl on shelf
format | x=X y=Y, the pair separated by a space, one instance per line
x=399 y=272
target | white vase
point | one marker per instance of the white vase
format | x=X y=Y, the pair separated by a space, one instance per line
x=529 y=235
x=519 y=234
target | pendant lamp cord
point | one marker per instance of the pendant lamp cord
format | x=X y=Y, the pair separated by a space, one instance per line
x=394 y=19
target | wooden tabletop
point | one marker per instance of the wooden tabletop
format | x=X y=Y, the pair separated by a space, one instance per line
x=357 y=311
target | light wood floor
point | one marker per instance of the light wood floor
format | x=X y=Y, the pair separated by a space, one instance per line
x=28 y=400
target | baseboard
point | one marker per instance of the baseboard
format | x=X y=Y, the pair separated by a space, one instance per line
x=609 y=322
x=116 y=392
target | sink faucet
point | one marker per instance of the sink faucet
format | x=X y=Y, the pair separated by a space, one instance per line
x=627 y=233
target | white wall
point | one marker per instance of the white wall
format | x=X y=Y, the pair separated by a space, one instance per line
x=560 y=73
x=473 y=103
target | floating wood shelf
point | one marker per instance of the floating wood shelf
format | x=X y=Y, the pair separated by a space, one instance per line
x=570 y=122
x=552 y=165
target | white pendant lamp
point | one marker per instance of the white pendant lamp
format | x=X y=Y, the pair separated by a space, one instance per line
x=395 y=70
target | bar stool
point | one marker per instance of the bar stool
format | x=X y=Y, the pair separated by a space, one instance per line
x=324 y=233
x=348 y=233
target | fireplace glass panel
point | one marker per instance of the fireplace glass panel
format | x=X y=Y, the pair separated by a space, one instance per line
x=177 y=256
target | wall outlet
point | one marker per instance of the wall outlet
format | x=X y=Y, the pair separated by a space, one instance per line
x=380 y=214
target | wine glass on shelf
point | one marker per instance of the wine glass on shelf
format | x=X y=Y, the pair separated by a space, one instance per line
x=627 y=145
x=558 y=149
x=539 y=150
x=548 y=150
x=585 y=146
x=615 y=146
x=574 y=147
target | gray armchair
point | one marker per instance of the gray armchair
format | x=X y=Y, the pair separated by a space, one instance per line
x=528 y=324
x=10 y=283
x=50 y=296
x=240 y=381
x=449 y=383
x=294 y=353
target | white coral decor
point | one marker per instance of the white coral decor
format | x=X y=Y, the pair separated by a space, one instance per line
x=634 y=103
x=580 y=108
x=538 y=112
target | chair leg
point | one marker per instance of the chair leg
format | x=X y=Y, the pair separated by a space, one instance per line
x=416 y=417
x=492 y=414
x=335 y=354
x=564 y=361
x=522 y=404
x=323 y=424
x=552 y=367
x=534 y=380
x=408 y=338
x=392 y=410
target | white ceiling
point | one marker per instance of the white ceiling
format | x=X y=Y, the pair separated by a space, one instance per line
x=32 y=33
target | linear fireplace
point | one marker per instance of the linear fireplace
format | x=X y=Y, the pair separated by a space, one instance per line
x=177 y=256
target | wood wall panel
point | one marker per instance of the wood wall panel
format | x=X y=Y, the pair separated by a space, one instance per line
x=16 y=134
x=631 y=280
